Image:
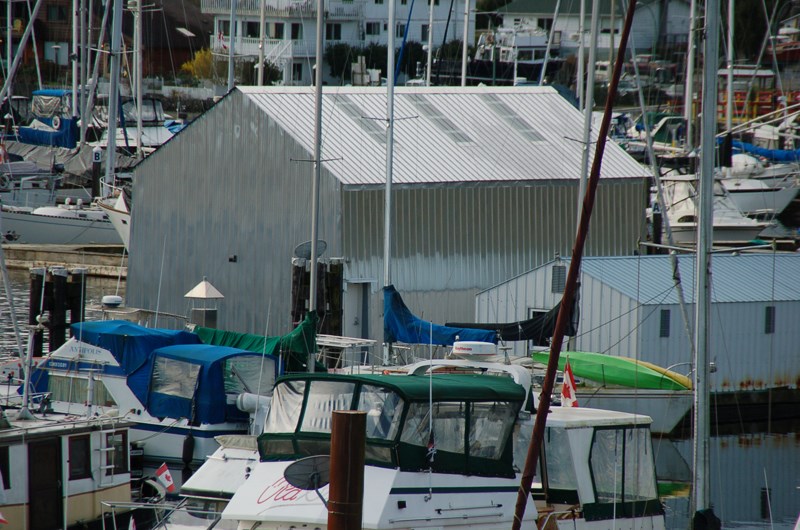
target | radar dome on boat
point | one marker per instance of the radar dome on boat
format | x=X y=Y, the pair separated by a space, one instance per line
x=473 y=349
x=111 y=300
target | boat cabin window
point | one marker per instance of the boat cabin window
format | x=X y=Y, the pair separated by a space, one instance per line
x=622 y=465
x=74 y=389
x=449 y=426
x=287 y=401
x=323 y=398
x=80 y=462
x=562 y=483
x=384 y=410
x=117 y=452
x=248 y=373
x=174 y=378
x=490 y=427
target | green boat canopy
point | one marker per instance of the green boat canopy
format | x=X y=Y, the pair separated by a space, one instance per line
x=293 y=347
x=473 y=418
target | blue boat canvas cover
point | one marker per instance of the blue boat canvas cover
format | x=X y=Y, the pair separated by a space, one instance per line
x=400 y=325
x=200 y=381
x=129 y=343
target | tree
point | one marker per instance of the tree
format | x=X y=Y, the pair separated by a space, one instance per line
x=203 y=66
x=340 y=57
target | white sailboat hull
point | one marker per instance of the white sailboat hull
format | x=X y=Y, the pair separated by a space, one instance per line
x=667 y=408
x=26 y=227
x=755 y=198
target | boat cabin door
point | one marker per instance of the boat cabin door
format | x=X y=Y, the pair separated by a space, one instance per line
x=45 y=488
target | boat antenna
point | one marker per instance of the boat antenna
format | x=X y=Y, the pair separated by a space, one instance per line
x=565 y=311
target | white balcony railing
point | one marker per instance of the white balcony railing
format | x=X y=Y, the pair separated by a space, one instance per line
x=283 y=8
x=274 y=49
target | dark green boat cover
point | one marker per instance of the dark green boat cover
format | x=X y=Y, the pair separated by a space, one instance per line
x=293 y=347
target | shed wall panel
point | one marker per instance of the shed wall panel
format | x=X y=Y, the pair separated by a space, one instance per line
x=231 y=184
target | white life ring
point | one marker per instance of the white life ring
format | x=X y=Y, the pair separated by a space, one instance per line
x=56 y=122
x=5 y=182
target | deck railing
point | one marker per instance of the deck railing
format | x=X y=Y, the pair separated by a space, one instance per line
x=283 y=8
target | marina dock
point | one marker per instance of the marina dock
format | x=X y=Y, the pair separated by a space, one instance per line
x=99 y=260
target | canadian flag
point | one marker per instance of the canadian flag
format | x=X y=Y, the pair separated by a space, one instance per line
x=221 y=39
x=164 y=477
x=568 y=397
x=3 y=520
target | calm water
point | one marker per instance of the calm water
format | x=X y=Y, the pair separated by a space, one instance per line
x=744 y=466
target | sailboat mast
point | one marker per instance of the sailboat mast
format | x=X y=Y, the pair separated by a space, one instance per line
x=231 y=52
x=702 y=274
x=688 y=100
x=74 y=58
x=565 y=312
x=113 y=94
x=312 y=283
x=261 y=36
x=387 y=207
x=429 y=66
x=137 y=65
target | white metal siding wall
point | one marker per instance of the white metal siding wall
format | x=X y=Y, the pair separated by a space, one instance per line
x=227 y=185
x=450 y=242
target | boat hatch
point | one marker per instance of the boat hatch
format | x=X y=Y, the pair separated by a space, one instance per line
x=473 y=418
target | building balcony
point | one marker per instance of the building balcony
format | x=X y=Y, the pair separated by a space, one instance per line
x=342 y=10
x=275 y=50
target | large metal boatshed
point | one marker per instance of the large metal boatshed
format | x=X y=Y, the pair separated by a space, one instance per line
x=485 y=188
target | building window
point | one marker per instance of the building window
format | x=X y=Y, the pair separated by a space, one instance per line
x=424 y=33
x=5 y=471
x=400 y=31
x=56 y=13
x=769 y=319
x=297 y=31
x=378 y=2
x=435 y=2
x=297 y=72
x=664 y=326
x=80 y=460
x=277 y=30
x=559 y=279
x=252 y=30
x=403 y=2
x=373 y=28
x=118 y=458
x=225 y=27
x=333 y=32
x=544 y=23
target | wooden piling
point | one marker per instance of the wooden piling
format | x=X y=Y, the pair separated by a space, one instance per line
x=346 y=492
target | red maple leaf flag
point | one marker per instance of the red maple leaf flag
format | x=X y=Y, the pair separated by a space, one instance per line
x=3 y=520
x=164 y=477
x=568 y=396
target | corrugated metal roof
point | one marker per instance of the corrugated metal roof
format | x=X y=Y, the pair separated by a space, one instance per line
x=442 y=135
x=735 y=278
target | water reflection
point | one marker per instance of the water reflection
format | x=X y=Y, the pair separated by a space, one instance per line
x=744 y=468
x=96 y=288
